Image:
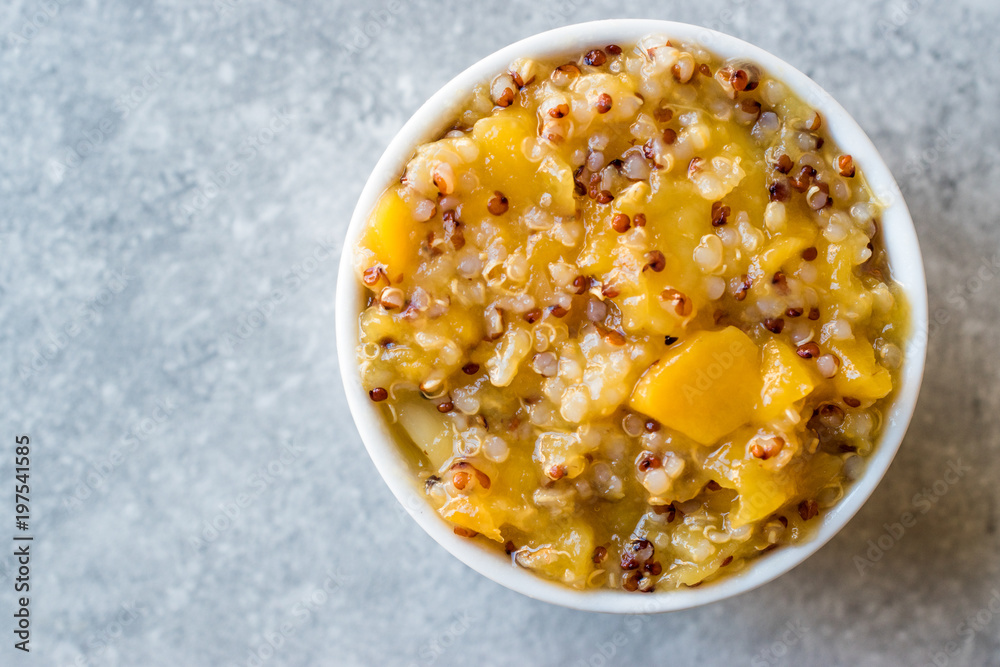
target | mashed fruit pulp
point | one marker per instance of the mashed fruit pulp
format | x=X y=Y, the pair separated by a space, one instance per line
x=631 y=316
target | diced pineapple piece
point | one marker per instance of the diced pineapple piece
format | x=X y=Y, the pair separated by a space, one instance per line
x=764 y=489
x=471 y=513
x=563 y=552
x=428 y=429
x=391 y=236
x=860 y=376
x=845 y=286
x=821 y=469
x=705 y=388
x=761 y=489
x=787 y=379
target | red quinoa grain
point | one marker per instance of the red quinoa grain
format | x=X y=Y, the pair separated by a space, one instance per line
x=603 y=103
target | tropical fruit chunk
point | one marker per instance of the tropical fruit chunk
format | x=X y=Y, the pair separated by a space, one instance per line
x=470 y=513
x=427 y=429
x=761 y=489
x=705 y=388
x=787 y=379
x=391 y=236
x=565 y=554
x=860 y=375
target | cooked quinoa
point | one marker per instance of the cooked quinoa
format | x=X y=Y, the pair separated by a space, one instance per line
x=631 y=316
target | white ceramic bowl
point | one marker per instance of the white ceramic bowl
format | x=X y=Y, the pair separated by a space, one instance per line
x=434 y=116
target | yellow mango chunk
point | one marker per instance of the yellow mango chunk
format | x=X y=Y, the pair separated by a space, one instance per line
x=787 y=379
x=500 y=139
x=705 y=388
x=860 y=376
x=391 y=236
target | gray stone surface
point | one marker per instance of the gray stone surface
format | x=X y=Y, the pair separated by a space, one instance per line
x=167 y=342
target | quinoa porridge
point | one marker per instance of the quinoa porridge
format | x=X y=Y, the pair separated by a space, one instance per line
x=631 y=317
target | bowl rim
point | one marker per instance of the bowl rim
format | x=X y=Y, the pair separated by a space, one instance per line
x=900 y=241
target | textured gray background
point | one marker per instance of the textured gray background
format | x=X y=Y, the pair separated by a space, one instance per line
x=167 y=339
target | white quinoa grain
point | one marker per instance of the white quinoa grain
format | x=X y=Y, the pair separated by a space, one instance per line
x=774 y=217
x=812 y=160
x=632 y=424
x=891 y=355
x=545 y=364
x=771 y=306
x=656 y=481
x=773 y=92
x=742 y=533
x=596 y=310
x=800 y=332
x=807 y=272
x=816 y=197
x=494 y=322
x=496 y=449
x=518 y=268
x=861 y=254
x=730 y=237
x=469 y=265
x=716 y=536
x=595 y=161
x=859 y=425
x=827 y=365
x=602 y=474
x=854 y=466
x=837 y=227
x=838 y=329
x=862 y=211
x=574 y=404
x=708 y=254
x=433 y=383
x=598 y=141
x=840 y=190
x=424 y=210
x=635 y=166
x=751 y=236
x=465 y=399
x=673 y=465
x=444 y=177
x=715 y=287
x=765 y=126
x=391 y=298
